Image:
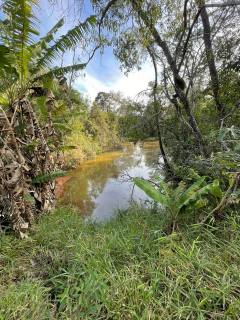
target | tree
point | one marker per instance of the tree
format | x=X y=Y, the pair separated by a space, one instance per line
x=174 y=37
x=146 y=18
x=207 y=37
x=109 y=101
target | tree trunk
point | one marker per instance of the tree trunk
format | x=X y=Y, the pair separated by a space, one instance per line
x=210 y=56
x=178 y=87
x=155 y=104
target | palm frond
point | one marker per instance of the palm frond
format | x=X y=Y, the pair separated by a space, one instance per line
x=49 y=36
x=21 y=29
x=4 y=54
x=66 y=42
x=57 y=72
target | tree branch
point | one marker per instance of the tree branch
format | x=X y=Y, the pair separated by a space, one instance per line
x=214 y=5
x=108 y=6
x=224 y=4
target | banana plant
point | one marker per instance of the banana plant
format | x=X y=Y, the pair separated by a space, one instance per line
x=26 y=59
x=27 y=73
x=180 y=198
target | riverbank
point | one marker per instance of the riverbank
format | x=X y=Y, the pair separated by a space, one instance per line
x=100 y=186
x=78 y=155
x=125 y=269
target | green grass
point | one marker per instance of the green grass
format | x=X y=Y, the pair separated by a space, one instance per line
x=125 y=269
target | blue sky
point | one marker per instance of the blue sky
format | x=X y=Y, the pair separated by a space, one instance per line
x=103 y=72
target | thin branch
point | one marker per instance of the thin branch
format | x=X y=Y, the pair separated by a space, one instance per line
x=184 y=27
x=108 y=6
x=92 y=54
x=215 y=5
x=224 y=4
x=188 y=38
x=224 y=199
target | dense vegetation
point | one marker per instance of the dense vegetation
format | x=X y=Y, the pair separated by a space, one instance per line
x=40 y=114
x=126 y=269
x=179 y=260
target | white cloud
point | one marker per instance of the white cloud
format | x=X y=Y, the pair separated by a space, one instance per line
x=130 y=85
x=90 y=85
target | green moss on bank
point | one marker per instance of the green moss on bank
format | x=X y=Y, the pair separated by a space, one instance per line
x=126 y=269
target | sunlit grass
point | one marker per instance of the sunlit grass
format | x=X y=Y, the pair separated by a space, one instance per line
x=126 y=269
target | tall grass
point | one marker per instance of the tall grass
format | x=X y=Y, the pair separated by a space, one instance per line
x=125 y=269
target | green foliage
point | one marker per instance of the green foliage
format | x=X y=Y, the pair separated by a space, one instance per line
x=66 y=42
x=175 y=200
x=103 y=127
x=19 y=31
x=49 y=36
x=59 y=71
x=43 y=178
x=229 y=81
x=230 y=137
x=223 y=165
x=4 y=61
x=86 y=129
x=24 y=301
x=125 y=269
x=25 y=61
x=128 y=51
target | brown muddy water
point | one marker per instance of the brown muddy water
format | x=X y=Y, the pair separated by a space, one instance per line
x=101 y=186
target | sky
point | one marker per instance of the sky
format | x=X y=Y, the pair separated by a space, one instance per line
x=103 y=72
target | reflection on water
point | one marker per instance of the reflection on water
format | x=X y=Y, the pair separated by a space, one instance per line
x=100 y=186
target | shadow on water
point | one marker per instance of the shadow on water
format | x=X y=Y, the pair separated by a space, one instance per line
x=101 y=186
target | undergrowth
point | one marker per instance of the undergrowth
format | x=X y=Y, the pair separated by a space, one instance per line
x=125 y=269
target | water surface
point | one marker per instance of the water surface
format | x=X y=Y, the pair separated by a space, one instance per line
x=101 y=186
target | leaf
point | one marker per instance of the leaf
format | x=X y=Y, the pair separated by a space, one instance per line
x=66 y=42
x=60 y=71
x=164 y=187
x=44 y=178
x=190 y=193
x=66 y=148
x=215 y=189
x=38 y=47
x=92 y=20
x=200 y=203
x=195 y=196
x=4 y=54
x=178 y=192
x=147 y=187
x=50 y=34
x=20 y=31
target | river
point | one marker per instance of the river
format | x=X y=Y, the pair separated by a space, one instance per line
x=101 y=186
